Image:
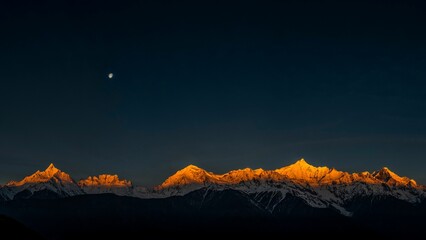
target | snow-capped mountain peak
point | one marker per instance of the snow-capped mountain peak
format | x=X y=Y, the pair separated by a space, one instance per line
x=391 y=178
x=303 y=171
x=48 y=183
x=51 y=173
x=191 y=169
x=105 y=180
x=51 y=170
x=191 y=174
x=106 y=183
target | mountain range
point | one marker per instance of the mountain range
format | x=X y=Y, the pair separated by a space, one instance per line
x=295 y=200
x=319 y=187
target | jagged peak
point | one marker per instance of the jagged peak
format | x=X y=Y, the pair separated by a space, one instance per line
x=389 y=177
x=302 y=161
x=302 y=171
x=192 y=167
x=51 y=166
x=384 y=171
x=191 y=170
x=105 y=180
x=300 y=164
x=190 y=174
x=51 y=172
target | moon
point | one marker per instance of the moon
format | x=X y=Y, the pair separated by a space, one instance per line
x=110 y=75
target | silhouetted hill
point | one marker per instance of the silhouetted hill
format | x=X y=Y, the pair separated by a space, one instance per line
x=211 y=212
x=12 y=229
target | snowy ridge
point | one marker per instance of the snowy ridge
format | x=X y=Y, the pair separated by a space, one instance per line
x=106 y=183
x=300 y=172
x=319 y=187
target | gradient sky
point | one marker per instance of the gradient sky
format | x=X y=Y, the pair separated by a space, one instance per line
x=216 y=84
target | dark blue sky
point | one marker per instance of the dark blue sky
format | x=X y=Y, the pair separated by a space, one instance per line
x=217 y=84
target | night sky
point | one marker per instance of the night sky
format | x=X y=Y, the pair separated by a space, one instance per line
x=217 y=84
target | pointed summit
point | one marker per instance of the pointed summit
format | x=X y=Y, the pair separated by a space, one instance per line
x=384 y=174
x=51 y=173
x=51 y=180
x=191 y=174
x=192 y=167
x=301 y=162
x=303 y=171
x=51 y=170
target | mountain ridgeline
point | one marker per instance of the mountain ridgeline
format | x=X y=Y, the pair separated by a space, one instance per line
x=320 y=187
x=294 y=198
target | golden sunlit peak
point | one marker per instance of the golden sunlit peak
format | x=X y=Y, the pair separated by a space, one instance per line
x=299 y=171
x=302 y=162
x=191 y=174
x=51 y=170
x=51 y=167
x=51 y=173
x=191 y=167
x=392 y=178
x=105 y=180
x=384 y=170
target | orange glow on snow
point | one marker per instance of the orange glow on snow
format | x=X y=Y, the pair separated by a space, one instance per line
x=299 y=172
